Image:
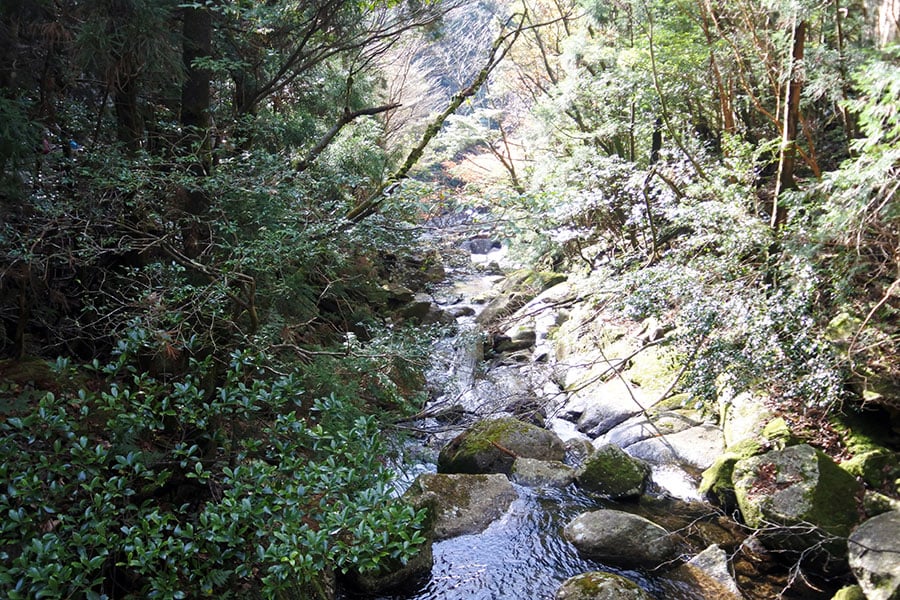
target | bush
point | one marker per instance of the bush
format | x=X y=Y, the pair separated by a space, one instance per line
x=171 y=488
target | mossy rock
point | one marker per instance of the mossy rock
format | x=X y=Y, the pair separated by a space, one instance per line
x=850 y=592
x=799 y=498
x=873 y=550
x=842 y=328
x=461 y=503
x=707 y=575
x=877 y=467
x=583 y=333
x=778 y=435
x=876 y=503
x=715 y=483
x=743 y=415
x=621 y=539
x=612 y=473
x=491 y=446
x=652 y=369
x=675 y=402
x=518 y=289
x=532 y=472
x=597 y=585
x=867 y=439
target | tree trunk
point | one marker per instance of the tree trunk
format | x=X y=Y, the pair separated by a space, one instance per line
x=195 y=91
x=129 y=125
x=788 y=151
x=656 y=141
x=19 y=347
x=195 y=143
x=847 y=117
x=888 y=22
x=725 y=101
x=498 y=52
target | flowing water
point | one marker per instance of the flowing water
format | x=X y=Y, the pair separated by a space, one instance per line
x=520 y=556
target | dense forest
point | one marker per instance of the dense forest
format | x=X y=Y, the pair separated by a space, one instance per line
x=210 y=213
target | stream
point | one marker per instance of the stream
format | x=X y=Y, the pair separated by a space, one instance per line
x=523 y=555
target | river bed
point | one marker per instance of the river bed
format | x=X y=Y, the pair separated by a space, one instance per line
x=523 y=555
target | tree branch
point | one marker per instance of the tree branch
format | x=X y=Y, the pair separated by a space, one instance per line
x=346 y=117
x=498 y=51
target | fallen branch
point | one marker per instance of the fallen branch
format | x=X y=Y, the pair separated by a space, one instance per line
x=504 y=450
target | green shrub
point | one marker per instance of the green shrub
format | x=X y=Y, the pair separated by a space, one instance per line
x=172 y=488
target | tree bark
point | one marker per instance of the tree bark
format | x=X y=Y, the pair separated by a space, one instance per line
x=195 y=91
x=663 y=105
x=888 y=22
x=195 y=121
x=846 y=117
x=656 y=141
x=787 y=154
x=129 y=125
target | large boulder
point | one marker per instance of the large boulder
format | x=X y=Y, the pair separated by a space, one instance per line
x=799 y=498
x=520 y=337
x=597 y=585
x=463 y=503
x=424 y=309
x=874 y=552
x=877 y=467
x=397 y=295
x=610 y=472
x=605 y=405
x=518 y=288
x=716 y=484
x=875 y=503
x=743 y=415
x=642 y=427
x=542 y=473
x=480 y=245
x=873 y=458
x=491 y=446
x=621 y=539
x=697 y=447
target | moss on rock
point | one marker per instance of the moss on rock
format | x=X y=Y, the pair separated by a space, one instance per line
x=491 y=446
x=716 y=483
x=798 y=486
x=610 y=472
x=622 y=539
x=461 y=503
x=542 y=473
x=850 y=592
x=872 y=460
x=676 y=402
x=597 y=585
x=516 y=290
x=877 y=467
x=876 y=503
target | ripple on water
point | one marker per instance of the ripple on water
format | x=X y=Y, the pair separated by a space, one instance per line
x=521 y=556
